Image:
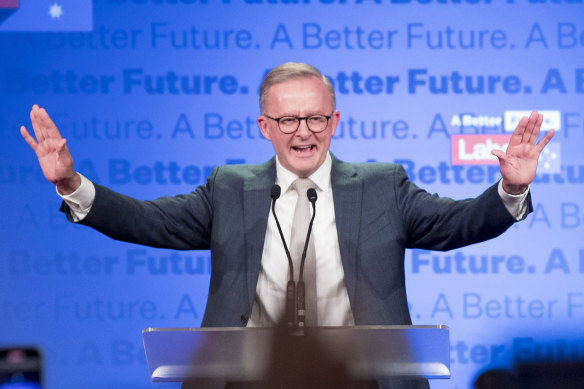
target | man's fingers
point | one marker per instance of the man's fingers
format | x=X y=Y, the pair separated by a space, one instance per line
x=517 y=135
x=39 y=122
x=536 y=129
x=545 y=140
x=529 y=127
x=50 y=128
x=35 y=123
x=29 y=139
x=44 y=126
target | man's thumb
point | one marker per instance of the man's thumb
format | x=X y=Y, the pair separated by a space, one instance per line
x=499 y=154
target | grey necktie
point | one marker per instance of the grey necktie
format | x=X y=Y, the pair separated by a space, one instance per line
x=302 y=215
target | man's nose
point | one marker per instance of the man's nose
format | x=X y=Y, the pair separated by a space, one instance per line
x=303 y=130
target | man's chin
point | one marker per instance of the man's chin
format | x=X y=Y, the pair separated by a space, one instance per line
x=305 y=167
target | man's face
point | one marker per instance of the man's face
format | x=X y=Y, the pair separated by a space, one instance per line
x=303 y=151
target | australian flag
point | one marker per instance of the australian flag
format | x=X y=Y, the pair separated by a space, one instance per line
x=46 y=15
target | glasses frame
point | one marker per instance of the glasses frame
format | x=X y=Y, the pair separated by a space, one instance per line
x=300 y=119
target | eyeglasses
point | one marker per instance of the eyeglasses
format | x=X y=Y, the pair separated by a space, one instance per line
x=289 y=124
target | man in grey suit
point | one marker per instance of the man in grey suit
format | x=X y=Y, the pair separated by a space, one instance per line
x=368 y=213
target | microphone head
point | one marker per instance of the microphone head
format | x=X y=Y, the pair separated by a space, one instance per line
x=311 y=193
x=275 y=193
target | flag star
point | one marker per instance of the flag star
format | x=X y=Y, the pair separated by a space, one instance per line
x=55 y=11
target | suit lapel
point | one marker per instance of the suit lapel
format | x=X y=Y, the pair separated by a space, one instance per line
x=347 y=194
x=256 y=210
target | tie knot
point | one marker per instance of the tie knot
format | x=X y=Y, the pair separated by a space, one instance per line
x=301 y=185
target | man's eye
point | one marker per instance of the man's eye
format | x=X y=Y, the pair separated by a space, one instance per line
x=288 y=121
x=317 y=119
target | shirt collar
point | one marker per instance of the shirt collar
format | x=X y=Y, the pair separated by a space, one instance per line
x=321 y=177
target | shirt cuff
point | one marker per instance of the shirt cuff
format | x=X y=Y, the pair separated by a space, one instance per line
x=81 y=200
x=515 y=204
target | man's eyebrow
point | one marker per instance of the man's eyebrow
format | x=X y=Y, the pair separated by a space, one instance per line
x=310 y=113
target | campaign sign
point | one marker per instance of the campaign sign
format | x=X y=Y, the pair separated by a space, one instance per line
x=476 y=149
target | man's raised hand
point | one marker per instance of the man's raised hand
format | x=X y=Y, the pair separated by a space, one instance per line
x=51 y=150
x=519 y=162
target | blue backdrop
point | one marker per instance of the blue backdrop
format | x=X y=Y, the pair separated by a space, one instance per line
x=152 y=94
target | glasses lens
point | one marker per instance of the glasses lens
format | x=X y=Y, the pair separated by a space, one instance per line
x=317 y=123
x=288 y=124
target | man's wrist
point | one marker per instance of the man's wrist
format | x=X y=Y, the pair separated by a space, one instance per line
x=516 y=204
x=514 y=189
x=69 y=185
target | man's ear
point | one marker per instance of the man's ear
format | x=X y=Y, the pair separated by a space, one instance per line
x=263 y=125
x=335 y=121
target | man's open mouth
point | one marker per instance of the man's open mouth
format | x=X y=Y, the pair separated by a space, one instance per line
x=305 y=148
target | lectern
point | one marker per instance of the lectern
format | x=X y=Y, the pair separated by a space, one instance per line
x=242 y=354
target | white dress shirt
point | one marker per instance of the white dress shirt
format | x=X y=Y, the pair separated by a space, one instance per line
x=333 y=307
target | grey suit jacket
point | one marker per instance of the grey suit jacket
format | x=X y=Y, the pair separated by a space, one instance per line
x=379 y=213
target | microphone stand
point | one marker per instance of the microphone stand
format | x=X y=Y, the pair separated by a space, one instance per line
x=291 y=286
x=301 y=289
x=295 y=294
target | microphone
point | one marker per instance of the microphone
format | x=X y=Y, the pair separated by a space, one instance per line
x=311 y=193
x=291 y=286
x=275 y=192
x=301 y=290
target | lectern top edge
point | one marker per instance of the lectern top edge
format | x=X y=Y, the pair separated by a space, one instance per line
x=367 y=327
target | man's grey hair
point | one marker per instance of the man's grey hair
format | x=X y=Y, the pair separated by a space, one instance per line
x=292 y=71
